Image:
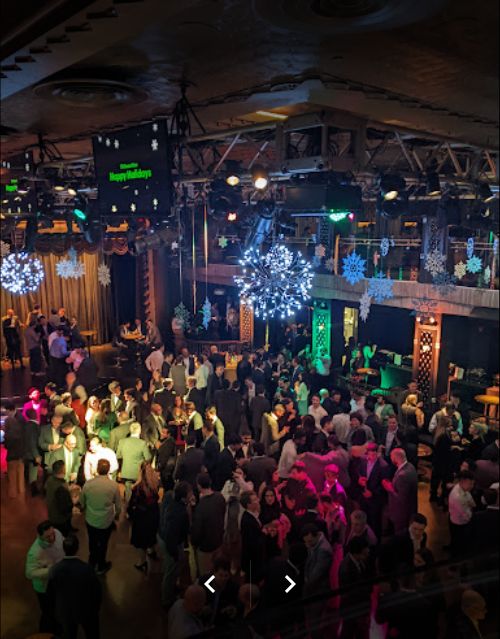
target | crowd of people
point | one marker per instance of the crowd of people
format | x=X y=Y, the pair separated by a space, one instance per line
x=280 y=472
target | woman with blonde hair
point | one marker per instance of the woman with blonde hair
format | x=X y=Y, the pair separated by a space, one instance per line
x=475 y=444
x=93 y=410
x=144 y=514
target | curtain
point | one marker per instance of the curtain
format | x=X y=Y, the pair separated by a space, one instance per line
x=84 y=298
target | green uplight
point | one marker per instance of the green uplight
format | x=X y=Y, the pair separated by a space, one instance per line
x=337 y=215
x=81 y=215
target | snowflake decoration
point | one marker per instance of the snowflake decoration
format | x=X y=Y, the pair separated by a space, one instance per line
x=435 y=262
x=365 y=303
x=206 y=311
x=495 y=246
x=460 y=270
x=4 y=249
x=116 y=144
x=71 y=268
x=354 y=268
x=174 y=246
x=182 y=315
x=155 y=127
x=277 y=282
x=320 y=250
x=21 y=274
x=222 y=242
x=444 y=283
x=104 y=275
x=384 y=246
x=487 y=275
x=470 y=247
x=114 y=208
x=154 y=145
x=423 y=306
x=64 y=268
x=108 y=142
x=380 y=287
x=330 y=264
x=133 y=207
x=474 y=264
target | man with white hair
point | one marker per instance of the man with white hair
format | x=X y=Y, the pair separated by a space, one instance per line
x=96 y=452
x=132 y=451
x=402 y=492
x=71 y=457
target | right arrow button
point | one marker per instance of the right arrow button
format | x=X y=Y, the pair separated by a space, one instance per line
x=291 y=582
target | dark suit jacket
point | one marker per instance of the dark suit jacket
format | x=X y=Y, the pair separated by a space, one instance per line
x=226 y=464
x=166 y=458
x=74 y=590
x=258 y=406
x=349 y=575
x=165 y=398
x=45 y=439
x=14 y=437
x=260 y=469
x=379 y=471
x=214 y=384
x=58 y=454
x=119 y=407
x=189 y=465
x=485 y=528
x=211 y=450
x=197 y=396
x=229 y=410
x=253 y=547
x=402 y=503
x=150 y=431
x=31 y=433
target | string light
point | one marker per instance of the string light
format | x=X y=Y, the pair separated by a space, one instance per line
x=21 y=274
x=277 y=283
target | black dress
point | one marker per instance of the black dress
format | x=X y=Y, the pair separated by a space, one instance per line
x=144 y=513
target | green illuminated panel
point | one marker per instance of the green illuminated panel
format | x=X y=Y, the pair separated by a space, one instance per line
x=321 y=326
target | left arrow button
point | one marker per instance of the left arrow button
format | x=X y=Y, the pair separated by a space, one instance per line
x=208 y=582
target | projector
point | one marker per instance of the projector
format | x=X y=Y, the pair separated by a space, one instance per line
x=305 y=165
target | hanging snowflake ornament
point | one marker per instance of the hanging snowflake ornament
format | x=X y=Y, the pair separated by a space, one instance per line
x=444 y=283
x=222 y=241
x=277 y=282
x=174 y=246
x=487 y=275
x=206 y=311
x=474 y=264
x=72 y=268
x=104 y=274
x=330 y=264
x=435 y=262
x=470 y=247
x=21 y=274
x=319 y=250
x=72 y=254
x=460 y=270
x=4 y=249
x=380 y=287
x=495 y=247
x=384 y=246
x=365 y=303
x=354 y=268
x=423 y=306
x=182 y=315
x=154 y=145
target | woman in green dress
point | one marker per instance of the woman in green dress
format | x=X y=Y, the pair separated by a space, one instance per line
x=302 y=395
x=105 y=420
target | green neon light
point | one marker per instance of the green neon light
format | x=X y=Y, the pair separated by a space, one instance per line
x=81 y=215
x=337 y=215
x=130 y=172
x=11 y=187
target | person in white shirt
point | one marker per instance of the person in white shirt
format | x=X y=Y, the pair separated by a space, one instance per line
x=201 y=373
x=289 y=453
x=461 y=508
x=154 y=361
x=342 y=423
x=46 y=550
x=96 y=452
x=323 y=363
x=317 y=411
x=358 y=403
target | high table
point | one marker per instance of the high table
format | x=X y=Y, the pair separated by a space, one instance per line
x=487 y=401
x=89 y=335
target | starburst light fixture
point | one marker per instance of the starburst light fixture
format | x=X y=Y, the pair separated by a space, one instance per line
x=21 y=274
x=277 y=283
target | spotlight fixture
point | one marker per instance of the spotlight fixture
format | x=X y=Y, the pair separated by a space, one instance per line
x=232 y=179
x=72 y=191
x=232 y=216
x=232 y=172
x=59 y=187
x=260 y=177
x=392 y=187
x=80 y=208
x=337 y=215
x=433 y=184
x=485 y=192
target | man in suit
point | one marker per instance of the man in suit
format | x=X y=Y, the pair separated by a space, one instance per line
x=69 y=428
x=211 y=416
x=167 y=363
x=190 y=463
x=226 y=463
x=207 y=528
x=132 y=451
x=402 y=491
x=152 y=426
x=270 y=431
x=195 y=395
x=391 y=437
x=31 y=433
x=188 y=361
x=165 y=458
x=211 y=448
x=69 y=454
x=398 y=554
x=372 y=470
x=215 y=382
x=75 y=593
x=153 y=335
x=228 y=404
x=131 y=404
x=11 y=332
x=116 y=397
x=253 y=540
x=485 y=522
x=120 y=431
x=50 y=438
x=195 y=422
x=260 y=468
x=58 y=497
x=258 y=406
x=353 y=572
x=165 y=396
x=316 y=574
x=52 y=397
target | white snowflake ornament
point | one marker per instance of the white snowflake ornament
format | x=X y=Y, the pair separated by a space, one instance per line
x=104 y=275
x=460 y=270
x=320 y=250
x=206 y=311
x=365 y=303
x=435 y=262
x=154 y=145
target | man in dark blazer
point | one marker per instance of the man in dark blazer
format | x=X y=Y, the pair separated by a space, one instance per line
x=68 y=453
x=253 y=540
x=190 y=463
x=353 y=572
x=228 y=404
x=188 y=361
x=226 y=462
x=166 y=396
x=260 y=468
x=402 y=492
x=195 y=395
x=75 y=593
x=372 y=498
x=215 y=383
x=116 y=397
x=258 y=406
x=398 y=553
x=211 y=448
x=50 y=438
x=153 y=425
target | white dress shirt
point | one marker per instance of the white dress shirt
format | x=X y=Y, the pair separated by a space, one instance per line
x=460 y=506
x=91 y=459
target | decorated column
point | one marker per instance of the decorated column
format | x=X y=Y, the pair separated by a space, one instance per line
x=321 y=326
x=426 y=351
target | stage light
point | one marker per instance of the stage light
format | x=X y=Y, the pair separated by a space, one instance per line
x=338 y=215
x=485 y=192
x=59 y=187
x=260 y=177
x=232 y=216
x=72 y=191
x=233 y=171
x=80 y=208
x=351 y=216
x=232 y=180
x=392 y=187
x=433 y=184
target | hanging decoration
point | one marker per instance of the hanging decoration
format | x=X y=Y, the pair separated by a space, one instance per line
x=330 y=264
x=487 y=275
x=4 y=249
x=222 y=241
x=460 y=270
x=474 y=264
x=104 y=274
x=376 y=258
x=354 y=267
x=21 y=274
x=277 y=283
x=182 y=315
x=380 y=287
x=365 y=303
x=495 y=247
x=423 y=307
x=320 y=251
x=384 y=246
x=435 y=262
x=70 y=268
x=444 y=283
x=206 y=311
x=470 y=247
